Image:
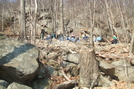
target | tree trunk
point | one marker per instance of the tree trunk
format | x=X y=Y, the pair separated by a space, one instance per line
x=23 y=23
x=33 y=20
x=110 y=17
x=131 y=50
x=92 y=23
x=61 y=15
x=35 y=12
x=14 y=22
x=3 y=19
x=89 y=71
x=55 y=15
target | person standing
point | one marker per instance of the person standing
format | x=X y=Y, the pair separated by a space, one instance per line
x=72 y=38
x=53 y=36
x=42 y=34
x=94 y=38
x=77 y=39
x=61 y=36
x=85 y=37
x=114 y=39
x=99 y=38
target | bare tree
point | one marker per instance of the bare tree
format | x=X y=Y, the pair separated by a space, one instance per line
x=131 y=50
x=23 y=22
x=89 y=71
x=3 y=18
x=34 y=22
x=55 y=15
x=61 y=17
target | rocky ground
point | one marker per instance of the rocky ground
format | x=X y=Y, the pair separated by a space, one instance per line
x=111 y=57
x=59 y=64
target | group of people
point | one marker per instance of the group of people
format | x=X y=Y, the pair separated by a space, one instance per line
x=46 y=36
x=72 y=37
x=69 y=37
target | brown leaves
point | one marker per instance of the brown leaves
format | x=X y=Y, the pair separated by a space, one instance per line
x=113 y=52
x=118 y=85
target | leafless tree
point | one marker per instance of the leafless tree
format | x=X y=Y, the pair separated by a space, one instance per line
x=34 y=22
x=61 y=17
x=23 y=23
x=89 y=71
x=2 y=18
x=131 y=50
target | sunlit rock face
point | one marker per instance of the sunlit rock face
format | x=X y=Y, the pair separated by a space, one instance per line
x=18 y=61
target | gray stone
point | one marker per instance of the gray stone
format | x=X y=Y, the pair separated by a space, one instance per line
x=125 y=73
x=18 y=61
x=4 y=83
x=106 y=68
x=120 y=70
x=72 y=58
x=42 y=72
x=15 y=85
x=121 y=63
x=52 y=71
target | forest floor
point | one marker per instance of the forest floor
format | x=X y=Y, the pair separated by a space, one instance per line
x=104 y=51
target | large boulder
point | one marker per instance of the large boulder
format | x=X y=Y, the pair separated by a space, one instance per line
x=120 y=63
x=18 y=61
x=119 y=70
x=72 y=58
x=125 y=73
x=107 y=68
x=15 y=85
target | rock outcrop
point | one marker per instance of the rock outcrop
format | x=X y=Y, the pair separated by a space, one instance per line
x=18 y=61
